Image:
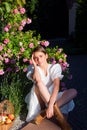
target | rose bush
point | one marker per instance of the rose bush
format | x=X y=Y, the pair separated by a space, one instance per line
x=16 y=45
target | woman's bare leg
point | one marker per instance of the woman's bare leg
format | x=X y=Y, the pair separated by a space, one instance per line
x=43 y=92
x=67 y=96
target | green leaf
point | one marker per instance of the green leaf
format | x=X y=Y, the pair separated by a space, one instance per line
x=1 y=10
x=7 y=6
x=24 y=1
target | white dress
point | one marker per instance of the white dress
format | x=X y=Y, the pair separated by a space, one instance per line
x=33 y=105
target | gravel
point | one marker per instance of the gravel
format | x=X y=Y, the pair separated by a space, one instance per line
x=18 y=123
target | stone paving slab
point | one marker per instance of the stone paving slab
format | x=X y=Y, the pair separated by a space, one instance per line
x=45 y=125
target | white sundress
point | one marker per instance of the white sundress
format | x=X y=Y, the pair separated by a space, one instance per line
x=33 y=105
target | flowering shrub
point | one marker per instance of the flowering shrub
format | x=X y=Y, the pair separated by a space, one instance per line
x=16 y=44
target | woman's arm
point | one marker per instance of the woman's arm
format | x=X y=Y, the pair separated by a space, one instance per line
x=55 y=91
x=35 y=76
x=50 y=110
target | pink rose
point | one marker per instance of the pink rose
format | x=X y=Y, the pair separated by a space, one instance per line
x=25 y=60
x=1 y=72
x=65 y=64
x=53 y=62
x=28 y=21
x=8 y=50
x=20 y=28
x=65 y=55
x=31 y=45
x=22 y=49
x=5 y=55
x=23 y=22
x=15 y=11
x=7 y=60
x=60 y=50
x=46 y=43
x=9 y=25
x=6 y=41
x=25 y=70
x=6 y=29
x=60 y=60
x=1 y=48
x=22 y=10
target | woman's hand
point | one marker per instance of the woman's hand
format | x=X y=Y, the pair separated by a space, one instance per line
x=50 y=111
x=34 y=63
x=36 y=76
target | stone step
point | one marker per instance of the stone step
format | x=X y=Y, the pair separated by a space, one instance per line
x=45 y=125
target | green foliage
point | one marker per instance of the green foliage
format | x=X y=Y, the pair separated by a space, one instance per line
x=14 y=42
x=32 y=4
x=13 y=88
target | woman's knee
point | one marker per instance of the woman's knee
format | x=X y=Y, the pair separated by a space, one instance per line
x=73 y=92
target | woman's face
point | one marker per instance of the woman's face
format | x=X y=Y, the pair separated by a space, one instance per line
x=40 y=58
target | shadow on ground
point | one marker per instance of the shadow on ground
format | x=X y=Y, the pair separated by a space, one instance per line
x=78 y=117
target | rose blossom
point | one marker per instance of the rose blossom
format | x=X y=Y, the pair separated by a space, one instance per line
x=8 y=50
x=1 y=72
x=22 y=49
x=9 y=25
x=46 y=43
x=15 y=11
x=25 y=70
x=6 y=29
x=53 y=62
x=20 y=28
x=23 y=22
x=65 y=55
x=22 y=10
x=60 y=60
x=25 y=60
x=1 y=48
x=65 y=64
x=7 y=60
x=31 y=45
x=5 y=55
x=60 y=50
x=6 y=41
x=28 y=21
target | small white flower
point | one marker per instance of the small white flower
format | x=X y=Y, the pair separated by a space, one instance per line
x=20 y=43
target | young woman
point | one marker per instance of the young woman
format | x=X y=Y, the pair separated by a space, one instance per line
x=46 y=87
